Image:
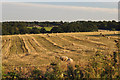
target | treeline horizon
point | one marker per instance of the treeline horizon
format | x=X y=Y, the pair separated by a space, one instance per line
x=21 y=27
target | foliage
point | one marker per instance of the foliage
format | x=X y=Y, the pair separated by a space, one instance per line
x=102 y=66
x=56 y=30
x=99 y=66
x=42 y=30
x=35 y=31
x=56 y=73
x=11 y=28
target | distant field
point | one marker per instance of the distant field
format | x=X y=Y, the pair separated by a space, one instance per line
x=41 y=49
x=47 y=28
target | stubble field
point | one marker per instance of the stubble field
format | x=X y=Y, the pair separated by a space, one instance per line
x=41 y=49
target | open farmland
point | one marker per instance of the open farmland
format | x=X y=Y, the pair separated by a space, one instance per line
x=46 y=28
x=40 y=49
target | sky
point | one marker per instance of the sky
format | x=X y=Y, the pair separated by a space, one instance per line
x=60 y=0
x=59 y=11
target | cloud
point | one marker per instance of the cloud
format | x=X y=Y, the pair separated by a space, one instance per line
x=114 y=10
x=32 y=11
x=60 y=0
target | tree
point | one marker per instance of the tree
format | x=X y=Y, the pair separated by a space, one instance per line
x=56 y=30
x=42 y=30
x=35 y=31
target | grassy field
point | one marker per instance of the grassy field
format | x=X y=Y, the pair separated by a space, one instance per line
x=40 y=49
x=47 y=28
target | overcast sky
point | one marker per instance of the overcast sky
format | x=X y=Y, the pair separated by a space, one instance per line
x=57 y=11
x=60 y=0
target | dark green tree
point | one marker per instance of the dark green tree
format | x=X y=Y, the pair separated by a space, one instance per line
x=42 y=30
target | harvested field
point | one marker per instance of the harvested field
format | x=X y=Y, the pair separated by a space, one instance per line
x=40 y=49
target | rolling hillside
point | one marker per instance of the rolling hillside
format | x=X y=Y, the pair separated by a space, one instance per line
x=40 y=49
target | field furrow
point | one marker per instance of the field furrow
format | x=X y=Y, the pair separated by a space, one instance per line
x=102 y=44
x=42 y=49
x=25 y=44
x=5 y=40
x=84 y=42
x=12 y=49
x=28 y=43
x=47 y=44
x=66 y=45
x=19 y=46
x=36 y=43
x=6 y=49
x=36 y=47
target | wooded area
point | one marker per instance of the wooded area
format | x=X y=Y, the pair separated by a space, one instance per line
x=11 y=28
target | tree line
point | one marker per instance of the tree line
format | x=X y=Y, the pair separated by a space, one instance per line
x=11 y=28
